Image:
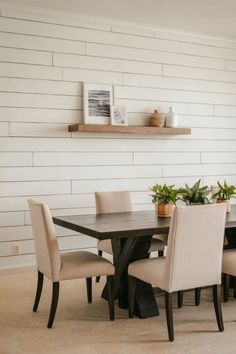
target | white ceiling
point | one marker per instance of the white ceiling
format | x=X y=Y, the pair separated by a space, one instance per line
x=213 y=17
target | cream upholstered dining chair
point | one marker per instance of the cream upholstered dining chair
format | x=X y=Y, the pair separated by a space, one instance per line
x=118 y=202
x=58 y=266
x=228 y=269
x=193 y=260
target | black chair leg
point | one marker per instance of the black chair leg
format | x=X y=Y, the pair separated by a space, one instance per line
x=111 y=298
x=197 y=296
x=53 y=309
x=89 y=289
x=169 y=315
x=234 y=283
x=160 y=253
x=217 y=305
x=131 y=289
x=98 y=277
x=226 y=283
x=38 y=291
x=180 y=295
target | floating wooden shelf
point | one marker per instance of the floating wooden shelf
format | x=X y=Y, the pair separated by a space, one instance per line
x=132 y=129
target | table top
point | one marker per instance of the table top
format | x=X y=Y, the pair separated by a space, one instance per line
x=118 y=225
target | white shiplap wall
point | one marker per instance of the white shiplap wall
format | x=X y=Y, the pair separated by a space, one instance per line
x=43 y=62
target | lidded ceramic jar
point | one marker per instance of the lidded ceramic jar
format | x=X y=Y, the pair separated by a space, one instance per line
x=156 y=120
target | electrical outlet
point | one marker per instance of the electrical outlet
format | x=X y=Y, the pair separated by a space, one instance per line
x=15 y=249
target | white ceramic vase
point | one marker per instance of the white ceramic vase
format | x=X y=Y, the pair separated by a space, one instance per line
x=171 y=119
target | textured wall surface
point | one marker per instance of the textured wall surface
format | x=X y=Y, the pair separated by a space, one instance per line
x=43 y=63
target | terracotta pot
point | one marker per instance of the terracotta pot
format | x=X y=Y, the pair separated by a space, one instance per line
x=228 y=204
x=164 y=210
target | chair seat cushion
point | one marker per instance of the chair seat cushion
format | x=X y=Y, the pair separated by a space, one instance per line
x=149 y=270
x=105 y=246
x=156 y=245
x=161 y=237
x=83 y=264
x=229 y=262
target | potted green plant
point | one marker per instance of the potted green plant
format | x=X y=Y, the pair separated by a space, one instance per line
x=224 y=193
x=196 y=194
x=164 y=197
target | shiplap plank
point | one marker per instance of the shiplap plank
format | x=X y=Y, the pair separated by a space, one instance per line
x=206 y=121
x=201 y=109
x=231 y=65
x=212 y=181
x=40 y=101
x=17 y=261
x=203 y=169
x=159 y=158
x=114 y=145
x=4 y=129
x=39 y=130
x=25 y=56
x=40 y=86
x=105 y=64
x=59 y=204
x=199 y=73
x=142 y=198
x=30 y=71
x=86 y=158
x=82 y=172
x=41 y=43
x=34 y=188
x=25 y=247
x=221 y=110
x=213 y=134
x=218 y=157
x=80 y=75
x=40 y=115
x=16 y=159
x=15 y=233
x=11 y=219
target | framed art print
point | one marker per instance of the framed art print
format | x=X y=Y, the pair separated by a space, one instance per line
x=119 y=116
x=97 y=103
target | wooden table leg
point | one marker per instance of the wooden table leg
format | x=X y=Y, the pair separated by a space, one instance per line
x=145 y=302
x=121 y=254
x=127 y=251
x=230 y=234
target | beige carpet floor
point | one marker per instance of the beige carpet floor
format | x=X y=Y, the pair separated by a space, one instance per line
x=85 y=328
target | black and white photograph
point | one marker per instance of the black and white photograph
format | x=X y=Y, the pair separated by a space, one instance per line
x=98 y=100
x=119 y=115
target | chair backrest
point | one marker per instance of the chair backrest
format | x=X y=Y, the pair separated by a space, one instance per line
x=195 y=247
x=46 y=246
x=113 y=202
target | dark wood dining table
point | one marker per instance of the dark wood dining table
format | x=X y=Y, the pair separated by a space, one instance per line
x=130 y=234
